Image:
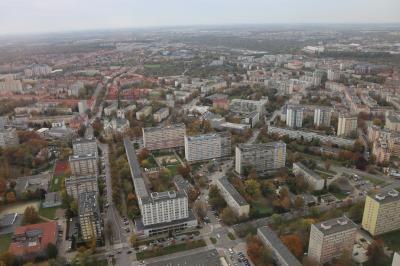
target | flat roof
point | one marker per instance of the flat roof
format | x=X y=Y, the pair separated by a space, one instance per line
x=278 y=246
x=232 y=191
x=308 y=170
x=335 y=225
x=259 y=146
x=387 y=196
x=169 y=127
x=201 y=258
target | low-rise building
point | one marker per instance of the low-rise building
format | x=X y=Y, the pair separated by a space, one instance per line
x=329 y=239
x=233 y=198
x=31 y=241
x=144 y=112
x=280 y=252
x=312 y=178
x=8 y=137
x=381 y=213
x=160 y=115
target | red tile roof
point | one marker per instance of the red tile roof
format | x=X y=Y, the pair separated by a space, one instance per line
x=21 y=246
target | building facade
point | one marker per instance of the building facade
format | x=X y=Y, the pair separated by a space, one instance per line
x=8 y=137
x=331 y=238
x=83 y=165
x=294 y=116
x=82 y=146
x=347 y=125
x=381 y=213
x=76 y=185
x=172 y=136
x=322 y=116
x=233 y=198
x=260 y=157
x=207 y=146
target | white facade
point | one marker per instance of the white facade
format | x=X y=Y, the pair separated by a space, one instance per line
x=294 y=116
x=206 y=147
x=172 y=136
x=8 y=137
x=347 y=125
x=322 y=116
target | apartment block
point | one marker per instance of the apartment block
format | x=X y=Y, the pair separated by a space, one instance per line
x=89 y=216
x=322 y=116
x=207 y=146
x=8 y=137
x=347 y=125
x=392 y=122
x=82 y=146
x=76 y=185
x=144 y=112
x=241 y=106
x=162 y=212
x=233 y=198
x=261 y=157
x=331 y=238
x=381 y=213
x=172 y=136
x=83 y=165
x=312 y=178
x=161 y=114
x=294 y=116
x=282 y=254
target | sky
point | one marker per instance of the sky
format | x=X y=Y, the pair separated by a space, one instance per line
x=40 y=16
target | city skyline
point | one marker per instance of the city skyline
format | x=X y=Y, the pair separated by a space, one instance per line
x=45 y=16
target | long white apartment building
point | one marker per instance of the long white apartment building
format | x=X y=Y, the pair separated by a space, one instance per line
x=312 y=178
x=162 y=212
x=233 y=198
x=82 y=146
x=83 y=165
x=207 y=146
x=167 y=137
x=260 y=157
x=242 y=106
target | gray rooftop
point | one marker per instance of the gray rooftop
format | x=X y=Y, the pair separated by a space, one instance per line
x=84 y=140
x=169 y=127
x=87 y=203
x=335 y=225
x=308 y=170
x=387 y=196
x=278 y=246
x=82 y=157
x=8 y=219
x=201 y=258
x=232 y=191
x=259 y=146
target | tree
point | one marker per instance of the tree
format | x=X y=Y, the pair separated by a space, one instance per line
x=215 y=199
x=51 y=251
x=298 y=203
x=294 y=244
x=184 y=171
x=30 y=215
x=3 y=185
x=344 y=260
x=228 y=216
x=276 y=220
x=143 y=154
x=200 y=209
x=258 y=253
x=356 y=212
x=376 y=253
x=134 y=240
x=10 y=197
x=192 y=194
x=327 y=164
x=252 y=187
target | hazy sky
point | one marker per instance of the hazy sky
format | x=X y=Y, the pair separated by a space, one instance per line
x=20 y=16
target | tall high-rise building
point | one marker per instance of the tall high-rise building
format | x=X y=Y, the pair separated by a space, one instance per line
x=333 y=75
x=347 y=125
x=322 y=116
x=172 y=136
x=294 y=116
x=83 y=165
x=207 y=146
x=382 y=213
x=76 y=185
x=89 y=216
x=83 y=146
x=162 y=212
x=331 y=238
x=260 y=157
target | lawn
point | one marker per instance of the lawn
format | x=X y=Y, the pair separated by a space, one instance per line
x=170 y=249
x=48 y=213
x=392 y=240
x=5 y=241
x=340 y=195
x=56 y=183
x=261 y=209
x=152 y=65
x=374 y=181
x=321 y=169
x=173 y=169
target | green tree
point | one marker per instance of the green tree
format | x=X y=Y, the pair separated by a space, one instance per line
x=51 y=251
x=252 y=187
x=30 y=215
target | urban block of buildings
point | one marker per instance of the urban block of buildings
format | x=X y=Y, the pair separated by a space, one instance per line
x=207 y=146
x=168 y=137
x=233 y=198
